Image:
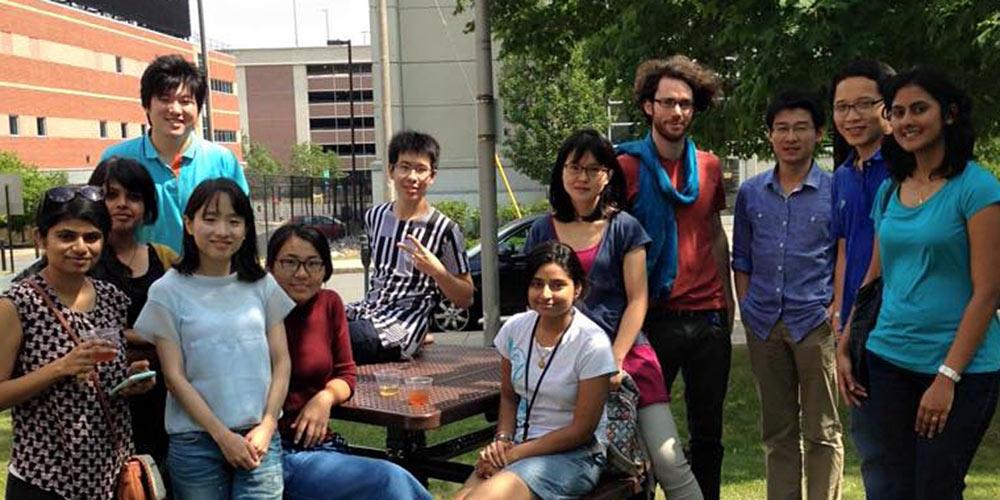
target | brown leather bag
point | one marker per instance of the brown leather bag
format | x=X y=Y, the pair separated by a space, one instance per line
x=139 y=478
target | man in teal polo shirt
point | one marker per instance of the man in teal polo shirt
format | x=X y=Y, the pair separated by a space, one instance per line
x=172 y=92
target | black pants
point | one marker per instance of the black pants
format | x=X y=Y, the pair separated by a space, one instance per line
x=366 y=346
x=697 y=344
x=18 y=489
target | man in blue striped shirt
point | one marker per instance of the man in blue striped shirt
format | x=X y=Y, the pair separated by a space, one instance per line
x=783 y=264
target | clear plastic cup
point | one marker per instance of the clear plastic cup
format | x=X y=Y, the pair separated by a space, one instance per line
x=418 y=390
x=388 y=381
x=108 y=336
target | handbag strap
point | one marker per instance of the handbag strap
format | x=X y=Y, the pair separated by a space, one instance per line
x=102 y=398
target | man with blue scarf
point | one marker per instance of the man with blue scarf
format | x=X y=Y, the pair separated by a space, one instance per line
x=676 y=192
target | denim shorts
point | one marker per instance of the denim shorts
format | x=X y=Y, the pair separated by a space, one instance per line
x=199 y=470
x=566 y=475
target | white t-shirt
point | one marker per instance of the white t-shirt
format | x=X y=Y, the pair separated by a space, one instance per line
x=584 y=353
x=221 y=325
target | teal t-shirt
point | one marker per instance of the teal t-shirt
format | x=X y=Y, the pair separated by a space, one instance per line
x=201 y=160
x=926 y=274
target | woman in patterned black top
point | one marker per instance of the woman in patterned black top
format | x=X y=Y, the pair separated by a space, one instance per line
x=66 y=442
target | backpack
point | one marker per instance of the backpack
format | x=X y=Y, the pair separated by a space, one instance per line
x=626 y=454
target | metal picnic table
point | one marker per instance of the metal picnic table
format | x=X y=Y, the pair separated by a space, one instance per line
x=466 y=383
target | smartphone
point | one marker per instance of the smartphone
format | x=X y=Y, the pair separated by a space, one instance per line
x=133 y=379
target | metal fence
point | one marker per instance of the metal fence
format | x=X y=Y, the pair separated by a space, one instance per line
x=279 y=198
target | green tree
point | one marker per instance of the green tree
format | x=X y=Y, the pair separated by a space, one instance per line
x=258 y=158
x=760 y=47
x=310 y=160
x=545 y=101
x=35 y=185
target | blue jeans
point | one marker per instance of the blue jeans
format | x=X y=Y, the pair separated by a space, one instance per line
x=325 y=472
x=896 y=463
x=199 y=471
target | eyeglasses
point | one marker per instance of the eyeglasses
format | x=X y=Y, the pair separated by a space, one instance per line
x=861 y=106
x=899 y=112
x=685 y=105
x=590 y=171
x=797 y=130
x=405 y=169
x=291 y=266
x=63 y=194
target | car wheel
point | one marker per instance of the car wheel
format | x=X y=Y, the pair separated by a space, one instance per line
x=450 y=318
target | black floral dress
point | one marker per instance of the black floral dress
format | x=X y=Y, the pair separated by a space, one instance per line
x=62 y=440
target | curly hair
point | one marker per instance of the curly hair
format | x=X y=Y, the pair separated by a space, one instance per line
x=704 y=83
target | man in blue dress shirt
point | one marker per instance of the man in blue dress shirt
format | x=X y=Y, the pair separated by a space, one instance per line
x=783 y=264
x=173 y=91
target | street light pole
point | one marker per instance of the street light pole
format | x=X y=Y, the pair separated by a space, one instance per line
x=356 y=203
x=204 y=57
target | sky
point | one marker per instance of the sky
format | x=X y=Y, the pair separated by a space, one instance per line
x=271 y=23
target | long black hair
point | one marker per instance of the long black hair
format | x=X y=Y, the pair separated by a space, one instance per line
x=134 y=179
x=52 y=212
x=959 y=135
x=573 y=148
x=560 y=254
x=245 y=261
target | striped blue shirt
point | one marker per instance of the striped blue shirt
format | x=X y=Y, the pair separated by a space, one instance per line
x=785 y=244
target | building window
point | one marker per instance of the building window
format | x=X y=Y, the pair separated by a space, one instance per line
x=225 y=135
x=340 y=96
x=15 y=124
x=124 y=130
x=118 y=64
x=222 y=86
x=103 y=129
x=345 y=149
x=204 y=127
x=40 y=126
x=341 y=123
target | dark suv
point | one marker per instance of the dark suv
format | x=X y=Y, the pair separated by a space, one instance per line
x=330 y=227
x=513 y=295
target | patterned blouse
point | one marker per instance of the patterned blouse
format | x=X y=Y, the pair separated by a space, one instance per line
x=61 y=440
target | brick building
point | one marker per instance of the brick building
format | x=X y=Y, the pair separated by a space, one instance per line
x=69 y=84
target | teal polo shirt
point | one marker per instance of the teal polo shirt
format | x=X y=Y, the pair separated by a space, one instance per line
x=201 y=160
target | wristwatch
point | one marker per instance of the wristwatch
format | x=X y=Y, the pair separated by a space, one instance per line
x=948 y=372
x=503 y=436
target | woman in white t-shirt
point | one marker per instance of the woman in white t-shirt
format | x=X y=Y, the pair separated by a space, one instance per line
x=217 y=319
x=556 y=372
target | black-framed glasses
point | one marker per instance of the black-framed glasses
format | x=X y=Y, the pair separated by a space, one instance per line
x=63 y=194
x=670 y=103
x=591 y=171
x=861 y=106
x=289 y=265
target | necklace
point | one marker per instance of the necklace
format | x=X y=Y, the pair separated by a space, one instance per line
x=543 y=355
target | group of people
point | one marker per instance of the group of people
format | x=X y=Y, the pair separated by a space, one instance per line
x=628 y=277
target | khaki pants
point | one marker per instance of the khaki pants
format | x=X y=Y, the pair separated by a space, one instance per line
x=797 y=386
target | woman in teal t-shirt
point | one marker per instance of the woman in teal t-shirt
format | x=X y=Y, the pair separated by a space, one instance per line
x=934 y=356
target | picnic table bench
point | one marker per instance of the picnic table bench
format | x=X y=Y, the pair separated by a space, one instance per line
x=466 y=384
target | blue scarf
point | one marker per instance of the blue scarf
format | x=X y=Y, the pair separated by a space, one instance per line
x=654 y=208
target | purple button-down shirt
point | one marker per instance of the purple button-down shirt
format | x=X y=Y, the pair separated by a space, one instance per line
x=785 y=244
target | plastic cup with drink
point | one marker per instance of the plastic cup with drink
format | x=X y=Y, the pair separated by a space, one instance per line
x=108 y=338
x=388 y=382
x=418 y=390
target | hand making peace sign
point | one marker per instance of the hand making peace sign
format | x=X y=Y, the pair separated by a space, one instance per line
x=423 y=259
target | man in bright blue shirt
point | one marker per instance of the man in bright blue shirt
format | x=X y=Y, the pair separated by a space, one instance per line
x=857 y=116
x=783 y=264
x=173 y=91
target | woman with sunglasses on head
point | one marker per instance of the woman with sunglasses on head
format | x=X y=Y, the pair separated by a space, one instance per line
x=70 y=438
x=585 y=191
x=315 y=462
x=933 y=356
x=217 y=319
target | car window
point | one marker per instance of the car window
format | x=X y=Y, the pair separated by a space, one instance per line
x=514 y=242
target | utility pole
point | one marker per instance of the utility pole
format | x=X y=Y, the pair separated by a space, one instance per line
x=204 y=67
x=356 y=204
x=486 y=149
x=383 y=62
x=295 y=21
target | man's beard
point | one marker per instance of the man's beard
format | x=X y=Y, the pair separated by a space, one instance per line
x=663 y=132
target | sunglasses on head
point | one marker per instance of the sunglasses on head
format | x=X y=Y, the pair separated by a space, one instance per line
x=63 y=194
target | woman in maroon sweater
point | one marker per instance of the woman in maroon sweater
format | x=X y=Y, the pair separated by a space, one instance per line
x=315 y=463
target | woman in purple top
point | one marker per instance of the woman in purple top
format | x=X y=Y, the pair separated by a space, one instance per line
x=586 y=188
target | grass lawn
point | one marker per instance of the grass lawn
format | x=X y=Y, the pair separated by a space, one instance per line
x=743 y=469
